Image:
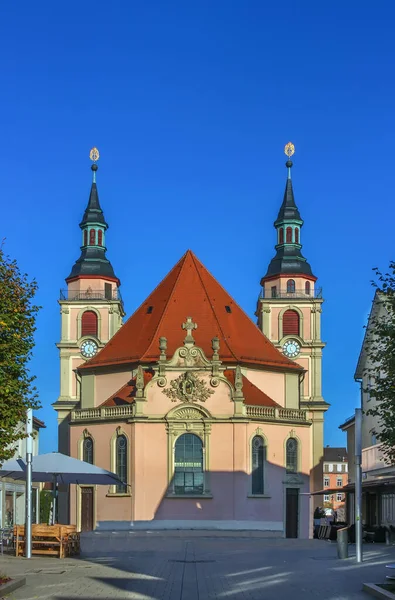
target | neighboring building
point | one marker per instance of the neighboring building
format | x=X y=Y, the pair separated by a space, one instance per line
x=378 y=487
x=215 y=426
x=12 y=493
x=335 y=477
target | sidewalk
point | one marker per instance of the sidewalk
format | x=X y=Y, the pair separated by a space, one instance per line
x=191 y=568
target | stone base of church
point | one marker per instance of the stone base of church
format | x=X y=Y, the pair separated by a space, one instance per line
x=209 y=525
x=113 y=537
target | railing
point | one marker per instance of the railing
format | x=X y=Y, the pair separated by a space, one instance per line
x=269 y=293
x=277 y=414
x=373 y=458
x=89 y=294
x=104 y=412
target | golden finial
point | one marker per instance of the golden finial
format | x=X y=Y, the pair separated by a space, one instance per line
x=289 y=149
x=94 y=155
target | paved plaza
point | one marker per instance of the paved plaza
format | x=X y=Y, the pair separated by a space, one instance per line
x=187 y=566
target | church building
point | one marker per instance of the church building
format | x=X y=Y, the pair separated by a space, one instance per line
x=210 y=420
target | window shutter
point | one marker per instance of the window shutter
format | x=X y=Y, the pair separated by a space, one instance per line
x=89 y=323
x=290 y=323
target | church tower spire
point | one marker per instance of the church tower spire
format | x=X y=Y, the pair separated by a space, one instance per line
x=93 y=260
x=289 y=258
x=289 y=314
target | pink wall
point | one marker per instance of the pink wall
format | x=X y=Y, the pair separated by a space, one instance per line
x=270 y=382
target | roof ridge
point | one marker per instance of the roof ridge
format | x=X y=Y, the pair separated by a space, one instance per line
x=208 y=298
x=181 y=262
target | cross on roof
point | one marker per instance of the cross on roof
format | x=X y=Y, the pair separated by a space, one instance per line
x=189 y=326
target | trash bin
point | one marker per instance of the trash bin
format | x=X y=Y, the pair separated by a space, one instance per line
x=342 y=542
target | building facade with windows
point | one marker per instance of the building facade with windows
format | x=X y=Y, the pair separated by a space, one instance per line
x=378 y=488
x=209 y=422
x=13 y=493
x=335 y=477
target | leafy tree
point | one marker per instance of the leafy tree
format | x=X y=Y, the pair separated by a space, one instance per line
x=380 y=349
x=17 y=327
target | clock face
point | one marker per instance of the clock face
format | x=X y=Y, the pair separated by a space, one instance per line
x=88 y=348
x=291 y=348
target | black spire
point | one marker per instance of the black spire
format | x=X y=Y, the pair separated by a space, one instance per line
x=289 y=258
x=93 y=260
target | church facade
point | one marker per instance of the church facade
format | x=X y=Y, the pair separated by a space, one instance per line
x=209 y=420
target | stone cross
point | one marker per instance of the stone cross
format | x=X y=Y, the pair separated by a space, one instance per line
x=189 y=326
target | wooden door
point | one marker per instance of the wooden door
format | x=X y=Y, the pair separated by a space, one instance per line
x=292 y=512
x=86 y=509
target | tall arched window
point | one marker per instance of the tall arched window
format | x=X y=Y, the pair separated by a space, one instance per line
x=290 y=286
x=257 y=465
x=288 y=235
x=100 y=237
x=88 y=450
x=188 y=465
x=292 y=455
x=281 y=236
x=296 y=235
x=291 y=323
x=85 y=237
x=307 y=288
x=92 y=237
x=89 y=323
x=122 y=463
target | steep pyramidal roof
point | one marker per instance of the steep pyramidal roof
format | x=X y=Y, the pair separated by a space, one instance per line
x=93 y=213
x=288 y=209
x=190 y=290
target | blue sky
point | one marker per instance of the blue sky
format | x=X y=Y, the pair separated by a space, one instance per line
x=190 y=105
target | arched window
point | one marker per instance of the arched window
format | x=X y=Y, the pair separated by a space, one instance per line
x=89 y=323
x=290 y=286
x=289 y=235
x=281 y=236
x=92 y=237
x=296 y=235
x=292 y=455
x=257 y=465
x=188 y=465
x=100 y=237
x=85 y=237
x=307 y=288
x=122 y=463
x=88 y=450
x=290 y=323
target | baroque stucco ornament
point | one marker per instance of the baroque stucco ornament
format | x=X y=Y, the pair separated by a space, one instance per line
x=188 y=388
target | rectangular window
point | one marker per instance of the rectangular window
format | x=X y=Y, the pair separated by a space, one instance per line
x=274 y=291
x=330 y=468
x=339 y=468
x=326 y=468
x=344 y=469
x=339 y=497
x=108 y=291
x=326 y=482
x=339 y=482
x=326 y=497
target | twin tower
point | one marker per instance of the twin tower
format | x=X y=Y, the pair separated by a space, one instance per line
x=288 y=311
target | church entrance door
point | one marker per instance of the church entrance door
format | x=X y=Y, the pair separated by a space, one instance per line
x=86 y=508
x=292 y=512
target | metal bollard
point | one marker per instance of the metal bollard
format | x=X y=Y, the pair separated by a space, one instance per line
x=342 y=543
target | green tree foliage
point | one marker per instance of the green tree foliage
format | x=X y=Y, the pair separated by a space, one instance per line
x=45 y=505
x=17 y=327
x=380 y=348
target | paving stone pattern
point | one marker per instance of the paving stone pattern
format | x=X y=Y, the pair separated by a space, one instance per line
x=187 y=567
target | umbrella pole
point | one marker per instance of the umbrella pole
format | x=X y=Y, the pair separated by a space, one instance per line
x=28 y=516
x=54 y=485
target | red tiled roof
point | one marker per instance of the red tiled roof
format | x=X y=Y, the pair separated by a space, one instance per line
x=252 y=395
x=190 y=290
x=127 y=393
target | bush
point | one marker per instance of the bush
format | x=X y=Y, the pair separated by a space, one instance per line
x=45 y=505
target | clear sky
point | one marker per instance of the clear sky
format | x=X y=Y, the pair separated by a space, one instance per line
x=190 y=105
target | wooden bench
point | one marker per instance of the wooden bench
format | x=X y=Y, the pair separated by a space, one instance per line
x=55 y=540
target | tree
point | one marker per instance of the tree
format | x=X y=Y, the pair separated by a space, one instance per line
x=380 y=370
x=17 y=327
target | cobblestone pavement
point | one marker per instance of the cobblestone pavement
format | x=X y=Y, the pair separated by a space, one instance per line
x=184 y=567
